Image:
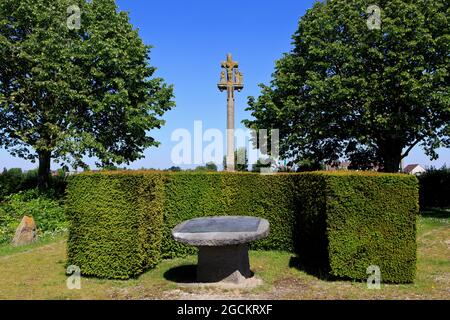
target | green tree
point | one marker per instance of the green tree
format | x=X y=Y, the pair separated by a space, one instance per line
x=240 y=160
x=306 y=165
x=211 y=166
x=174 y=168
x=261 y=163
x=69 y=93
x=10 y=181
x=366 y=94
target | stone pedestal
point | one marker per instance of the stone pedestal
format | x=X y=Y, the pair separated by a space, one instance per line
x=223 y=263
x=223 y=245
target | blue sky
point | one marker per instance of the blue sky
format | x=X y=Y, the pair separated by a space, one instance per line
x=190 y=39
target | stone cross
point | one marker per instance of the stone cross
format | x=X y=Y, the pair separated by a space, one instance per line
x=230 y=80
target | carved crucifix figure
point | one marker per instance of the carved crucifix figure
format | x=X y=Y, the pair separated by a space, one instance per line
x=233 y=82
x=229 y=66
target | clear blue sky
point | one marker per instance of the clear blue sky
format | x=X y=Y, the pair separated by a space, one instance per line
x=190 y=39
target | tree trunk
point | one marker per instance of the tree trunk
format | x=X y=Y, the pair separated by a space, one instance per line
x=392 y=164
x=391 y=154
x=44 y=170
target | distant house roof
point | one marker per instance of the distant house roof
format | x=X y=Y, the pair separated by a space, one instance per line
x=411 y=167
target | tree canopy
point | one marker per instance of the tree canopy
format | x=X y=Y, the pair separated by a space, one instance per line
x=68 y=92
x=369 y=95
x=210 y=167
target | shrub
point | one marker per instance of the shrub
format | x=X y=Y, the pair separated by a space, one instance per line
x=14 y=180
x=371 y=220
x=8 y=225
x=10 y=181
x=435 y=188
x=116 y=222
x=47 y=212
x=337 y=222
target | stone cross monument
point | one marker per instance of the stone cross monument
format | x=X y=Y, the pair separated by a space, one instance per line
x=230 y=80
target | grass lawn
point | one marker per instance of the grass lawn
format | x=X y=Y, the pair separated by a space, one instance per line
x=37 y=272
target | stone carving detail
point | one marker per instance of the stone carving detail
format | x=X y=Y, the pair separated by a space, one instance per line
x=223 y=79
x=238 y=77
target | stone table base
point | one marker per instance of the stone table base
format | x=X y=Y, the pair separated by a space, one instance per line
x=223 y=264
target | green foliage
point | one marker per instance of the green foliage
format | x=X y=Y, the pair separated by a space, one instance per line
x=435 y=188
x=10 y=181
x=371 y=220
x=370 y=96
x=8 y=224
x=306 y=165
x=65 y=94
x=46 y=209
x=14 y=180
x=210 y=166
x=261 y=163
x=174 y=168
x=341 y=223
x=116 y=223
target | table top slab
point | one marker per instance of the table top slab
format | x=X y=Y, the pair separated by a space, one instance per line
x=221 y=231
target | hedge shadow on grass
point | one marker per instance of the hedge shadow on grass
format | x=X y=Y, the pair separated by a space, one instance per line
x=439 y=213
x=313 y=269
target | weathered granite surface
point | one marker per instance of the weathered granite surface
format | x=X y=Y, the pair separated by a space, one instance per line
x=26 y=232
x=221 y=231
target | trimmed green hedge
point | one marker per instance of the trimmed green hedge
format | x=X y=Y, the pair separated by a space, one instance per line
x=371 y=220
x=115 y=223
x=340 y=223
x=198 y=195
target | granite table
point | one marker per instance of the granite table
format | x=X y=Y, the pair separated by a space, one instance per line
x=223 y=245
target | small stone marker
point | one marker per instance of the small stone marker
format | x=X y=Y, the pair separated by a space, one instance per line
x=223 y=245
x=26 y=232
